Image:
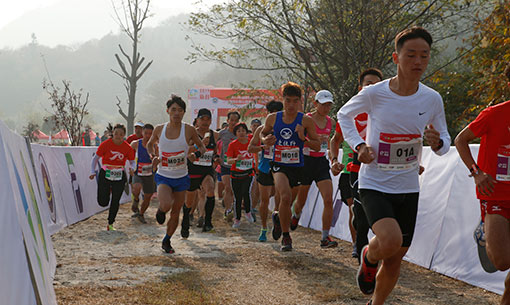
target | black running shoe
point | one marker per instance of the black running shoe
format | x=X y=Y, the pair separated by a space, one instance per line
x=328 y=243
x=184 y=232
x=207 y=228
x=366 y=274
x=160 y=217
x=277 y=229
x=167 y=247
x=286 y=244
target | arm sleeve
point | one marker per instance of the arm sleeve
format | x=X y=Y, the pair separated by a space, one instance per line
x=93 y=164
x=357 y=104
x=439 y=122
x=132 y=164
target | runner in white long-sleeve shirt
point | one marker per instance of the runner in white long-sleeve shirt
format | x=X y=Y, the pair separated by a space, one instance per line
x=401 y=110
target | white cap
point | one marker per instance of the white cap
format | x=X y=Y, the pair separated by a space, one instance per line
x=324 y=96
x=139 y=124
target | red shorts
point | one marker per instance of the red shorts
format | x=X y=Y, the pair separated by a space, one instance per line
x=500 y=207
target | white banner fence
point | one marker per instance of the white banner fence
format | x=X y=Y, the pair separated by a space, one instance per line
x=43 y=189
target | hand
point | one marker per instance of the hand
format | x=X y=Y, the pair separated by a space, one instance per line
x=131 y=172
x=336 y=168
x=421 y=170
x=269 y=140
x=432 y=137
x=155 y=162
x=239 y=157
x=484 y=182
x=92 y=176
x=192 y=157
x=300 y=131
x=366 y=154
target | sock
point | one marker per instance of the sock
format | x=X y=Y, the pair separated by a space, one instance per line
x=185 y=216
x=286 y=234
x=325 y=234
x=297 y=215
x=167 y=238
x=209 y=208
x=369 y=264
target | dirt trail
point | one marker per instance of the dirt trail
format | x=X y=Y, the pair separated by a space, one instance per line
x=228 y=266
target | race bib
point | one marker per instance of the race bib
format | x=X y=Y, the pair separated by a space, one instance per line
x=113 y=173
x=503 y=170
x=269 y=152
x=244 y=165
x=144 y=169
x=398 y=152
x=205 y=159
x=173 y=161
x=324 y=139
x=286 y=154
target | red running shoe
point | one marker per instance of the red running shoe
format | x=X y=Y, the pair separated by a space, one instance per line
x=366 y=274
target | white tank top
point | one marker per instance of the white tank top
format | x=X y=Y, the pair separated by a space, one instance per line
x=173 y=155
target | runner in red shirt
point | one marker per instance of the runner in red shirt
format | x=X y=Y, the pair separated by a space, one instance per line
x=112 y=177
x=491 y=174
x=138 y=133
x=241 y=172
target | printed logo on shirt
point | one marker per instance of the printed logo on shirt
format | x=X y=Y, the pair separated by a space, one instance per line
x=422 y=113
x=116 y=155
x=286 y=133
x=495 y=208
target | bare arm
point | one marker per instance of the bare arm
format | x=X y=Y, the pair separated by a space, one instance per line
x=154 y=140
x=134 y=145
x=254 y=146
x=195 y=138
x=484 y=182
x=313 y=139
x=334 y=144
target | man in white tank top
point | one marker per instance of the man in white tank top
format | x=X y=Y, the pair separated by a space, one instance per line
x=172 y=176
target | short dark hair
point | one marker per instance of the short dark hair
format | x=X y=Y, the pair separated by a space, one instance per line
x=412 y=33
x=224 y=124
x=291 y=89
x=370 y=71
x=174 y=99
x=119 y=126
x=274 y=106
x=148 y=126
x=240 y=125
x=194 y=122
x=232 y=113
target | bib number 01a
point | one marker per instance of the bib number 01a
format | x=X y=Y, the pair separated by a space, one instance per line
x=398 y=152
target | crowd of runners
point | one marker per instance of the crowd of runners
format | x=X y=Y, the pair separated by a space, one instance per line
x=267 y=168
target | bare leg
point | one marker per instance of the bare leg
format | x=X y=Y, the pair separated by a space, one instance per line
x=387 y=276
x=228 y=197
x=145 y=204
x=497 y=230
x=172 y=223
x=283 y=188
x=265 y=194
x=326 y=190
x=301 y=198
x=165 y=197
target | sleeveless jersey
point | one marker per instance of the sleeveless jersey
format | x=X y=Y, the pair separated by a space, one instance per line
x=323 y=134
x=143 y=161
x=206 y=160
x=288 y=149
x=173 y=154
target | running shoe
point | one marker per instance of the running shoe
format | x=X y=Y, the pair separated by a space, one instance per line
x=141 y=218
x=328 y=243
x=286 y=244
x=366 y=274
x=277 y=229
x=237 y=224
x=249 y=217
x=200 y=222
x=160 y=217
x=294 y=222
x=135 y=215
x=479 y=236
x=369 y=302
x=184 y=232
x=262 y=236
x=167 y=247
x=207 y=228
x=229 y=215
x=110 y=228
x=354 y=251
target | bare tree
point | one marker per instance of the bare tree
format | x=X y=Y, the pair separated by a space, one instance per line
x=29 y=131
x=68 y=108
x=130 y=17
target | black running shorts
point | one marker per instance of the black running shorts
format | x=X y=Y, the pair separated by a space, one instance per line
x=293 y=173
x=197 y=178
x=265 y=179
x=315 y=169
x=401 y=207
x=344 y=186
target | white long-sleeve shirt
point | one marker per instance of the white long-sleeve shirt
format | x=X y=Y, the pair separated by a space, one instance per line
x=395 y=129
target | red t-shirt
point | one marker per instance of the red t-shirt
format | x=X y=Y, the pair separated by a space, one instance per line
x=493 y=127
x=112 y=154
x=132 y=138
x=247 y=163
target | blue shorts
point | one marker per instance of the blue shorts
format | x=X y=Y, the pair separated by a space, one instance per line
x=218 y=177
x=177 y=185
x=225 y=170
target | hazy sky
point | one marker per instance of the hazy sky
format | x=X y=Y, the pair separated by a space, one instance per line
x=73 y=21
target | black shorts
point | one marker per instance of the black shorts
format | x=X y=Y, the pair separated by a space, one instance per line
x=401 y=207
x=265 y=179
x=293 y=173
x=225 y=170
x=147 y=182
x=344 y=186
x=315 y=169
x=197 y=178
